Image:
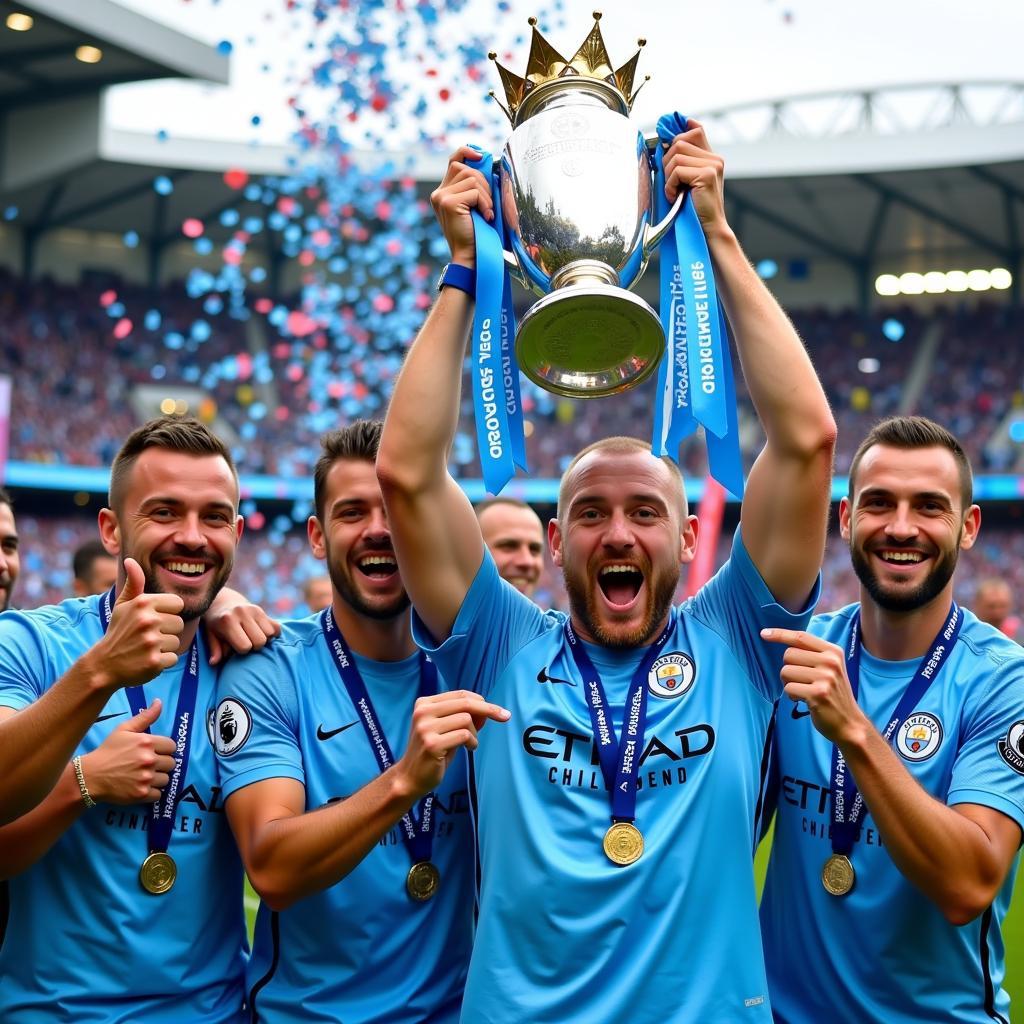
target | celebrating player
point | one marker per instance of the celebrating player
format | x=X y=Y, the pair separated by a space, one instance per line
x=356 y=837
x=615 y=813
x=900 y=764
x=125 y=885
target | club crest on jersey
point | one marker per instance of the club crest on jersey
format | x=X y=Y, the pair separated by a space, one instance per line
x=919 y=737
x=1011 y=747
x=671 y=675
x=232 y=726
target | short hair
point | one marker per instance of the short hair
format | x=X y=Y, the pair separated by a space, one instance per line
x=910 y=432
x=360 y=440
x=85 y=554
x=171 y=433
x=6 y=499
x=483 y=506
x=618 y=446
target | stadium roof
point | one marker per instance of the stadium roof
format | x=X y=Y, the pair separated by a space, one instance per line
x=38 y=63
x=884 y=179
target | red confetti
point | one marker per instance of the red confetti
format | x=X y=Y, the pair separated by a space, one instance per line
x=300 y=324
x=236 y=178
x=383 y=303
x=108 y=298
x=192 y=227
x=122 y=328
x=445 y=94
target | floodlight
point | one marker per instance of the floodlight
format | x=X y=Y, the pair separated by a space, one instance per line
x=887 y=284
x=912 y=284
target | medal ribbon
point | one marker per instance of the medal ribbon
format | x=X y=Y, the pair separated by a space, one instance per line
x=417 y=832
x=846 y=800
x=620 y=758
x=495 y=374
x=695 y=378
x=161 y=825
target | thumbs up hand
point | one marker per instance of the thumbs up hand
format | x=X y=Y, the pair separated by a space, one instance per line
x=130 y=766
x=143 y=636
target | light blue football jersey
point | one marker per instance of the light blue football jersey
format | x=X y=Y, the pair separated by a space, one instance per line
x=84 y=941
x=564 y=936
x=884 y=952
x=361 y=950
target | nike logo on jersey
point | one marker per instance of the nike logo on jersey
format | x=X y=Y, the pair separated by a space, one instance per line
x=322 y=734
x=800 y=710
x=543 y=677
x=114 y=714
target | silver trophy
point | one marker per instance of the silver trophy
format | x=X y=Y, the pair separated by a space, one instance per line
x=577 y=197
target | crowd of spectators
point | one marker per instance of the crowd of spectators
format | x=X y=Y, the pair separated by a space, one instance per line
x=76 y=353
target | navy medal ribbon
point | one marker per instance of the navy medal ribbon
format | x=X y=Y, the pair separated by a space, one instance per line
x=418 y=829
x=161 y=826
x=620 y=758
x=846 y=799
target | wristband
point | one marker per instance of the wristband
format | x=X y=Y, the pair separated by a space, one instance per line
x=455 y=275
x=76 y=763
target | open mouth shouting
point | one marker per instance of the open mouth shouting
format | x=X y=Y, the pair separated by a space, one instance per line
x=621 y=585
x=380 y=568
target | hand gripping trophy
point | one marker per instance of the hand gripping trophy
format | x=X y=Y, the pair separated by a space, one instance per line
x=579 y=210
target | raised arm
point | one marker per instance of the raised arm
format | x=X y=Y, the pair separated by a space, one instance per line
x=434 y=530
x=785 y=509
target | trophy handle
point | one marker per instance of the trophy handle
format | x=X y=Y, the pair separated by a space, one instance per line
x=653 y=235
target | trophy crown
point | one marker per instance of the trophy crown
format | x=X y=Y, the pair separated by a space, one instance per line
x=546 y=64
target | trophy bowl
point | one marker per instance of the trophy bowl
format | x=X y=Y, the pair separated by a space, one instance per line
x=578 y=203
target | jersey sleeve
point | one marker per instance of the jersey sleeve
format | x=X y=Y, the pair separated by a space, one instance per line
x=25 y=664
x=255 y=724
x=989 y=766
x=737 y=604
x=494 y=622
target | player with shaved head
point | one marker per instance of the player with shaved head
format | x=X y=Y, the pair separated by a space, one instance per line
x=615 y=809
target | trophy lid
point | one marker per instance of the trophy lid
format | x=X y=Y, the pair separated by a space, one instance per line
x=546 y=64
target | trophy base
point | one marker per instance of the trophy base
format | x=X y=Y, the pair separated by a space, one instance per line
x=589 y=340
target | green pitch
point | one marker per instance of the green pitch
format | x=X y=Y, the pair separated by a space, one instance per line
x=1013 y=930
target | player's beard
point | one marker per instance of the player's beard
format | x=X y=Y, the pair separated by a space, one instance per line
x=196 y=605
x=582 y=587
x=893 y=600
x=347 y=588
x=6 y=590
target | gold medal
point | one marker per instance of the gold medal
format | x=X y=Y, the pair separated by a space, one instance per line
x=623 y=843
x=422 y=881
x=838 y=875
x=158 y=873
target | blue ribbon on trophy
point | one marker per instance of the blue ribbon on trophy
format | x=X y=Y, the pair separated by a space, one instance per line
x=497 y=402
x=695 y=379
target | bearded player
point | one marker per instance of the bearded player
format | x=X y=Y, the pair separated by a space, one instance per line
x=616 y=879
x=900 y=764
